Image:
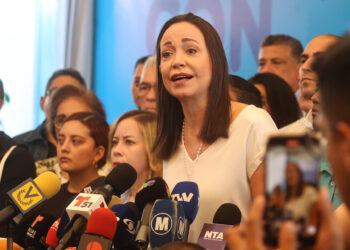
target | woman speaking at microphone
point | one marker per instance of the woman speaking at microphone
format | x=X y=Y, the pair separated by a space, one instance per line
x=82 y=144
x=202 y=136
x=131 y=138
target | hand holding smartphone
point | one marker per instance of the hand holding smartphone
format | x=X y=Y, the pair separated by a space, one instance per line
x=291 y=184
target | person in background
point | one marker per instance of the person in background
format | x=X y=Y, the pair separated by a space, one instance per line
x=82 y=145
x=326 y=173
x=243 y=91
x=308 y=77
x=148 y=82
x=301 y=198
x=280 y=55
x=277 y=98
x=136 y=79
x=308 y=82
x=64 y=102
x=330 y=69
x=40 y=141
x=17 y=166
x=199 y=127
x=309 y=123
x=131 y=138
x=334 y=82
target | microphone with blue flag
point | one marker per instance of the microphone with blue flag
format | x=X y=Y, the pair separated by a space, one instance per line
x=153 y=189
x=187 y=194
x=167 y=223
x=127 y=223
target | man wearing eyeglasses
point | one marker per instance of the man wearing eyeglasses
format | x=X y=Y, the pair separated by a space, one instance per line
x=40 y=141
x=147 y=95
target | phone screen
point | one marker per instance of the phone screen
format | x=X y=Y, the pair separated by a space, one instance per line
x=292 y=173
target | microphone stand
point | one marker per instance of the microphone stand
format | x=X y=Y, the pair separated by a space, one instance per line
x=141 y=244
x=10 y=231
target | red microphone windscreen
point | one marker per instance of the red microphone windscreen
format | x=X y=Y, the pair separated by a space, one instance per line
x=51 y=238
x=102 y=222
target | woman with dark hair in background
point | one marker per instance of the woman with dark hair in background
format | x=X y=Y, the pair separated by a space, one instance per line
x=202 y=136
x=278 y=98
x=82 y=144
x=301 y=197
x=65 y=101
x=243 y=91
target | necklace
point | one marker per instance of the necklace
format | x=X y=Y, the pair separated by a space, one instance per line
x=190 y=169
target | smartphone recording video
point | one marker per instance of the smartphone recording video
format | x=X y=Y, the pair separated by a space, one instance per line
x=291 y=184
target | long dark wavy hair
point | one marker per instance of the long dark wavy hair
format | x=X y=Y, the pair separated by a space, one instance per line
x=170 y=114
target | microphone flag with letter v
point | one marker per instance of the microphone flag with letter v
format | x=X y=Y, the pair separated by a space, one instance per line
x=26 y=196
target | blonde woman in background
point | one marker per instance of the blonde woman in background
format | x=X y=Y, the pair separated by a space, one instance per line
x=131 y=138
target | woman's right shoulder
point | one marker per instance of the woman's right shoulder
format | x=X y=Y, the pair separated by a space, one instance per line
x=252 y=114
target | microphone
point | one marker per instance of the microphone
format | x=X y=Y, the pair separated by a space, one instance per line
x=212 y=235
x=228 y=214
x=79 y=211
x=115 y=201
x=151 y=190
x=51 y=238
x=187 y=194
x=100 y=230
x=135 y=209
x=117 y=181
x=167 y=223
x=127 y=222
x=36 y=233
x=120 y=179
x=28 y=195
x=84 y=204
x=64 y=219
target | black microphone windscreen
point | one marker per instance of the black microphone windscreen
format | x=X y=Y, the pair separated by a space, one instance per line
x=121 y=178
x=228 y=214
x=135 y=209
x=151 y=190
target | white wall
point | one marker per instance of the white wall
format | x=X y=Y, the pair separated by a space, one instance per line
x=17 y=63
